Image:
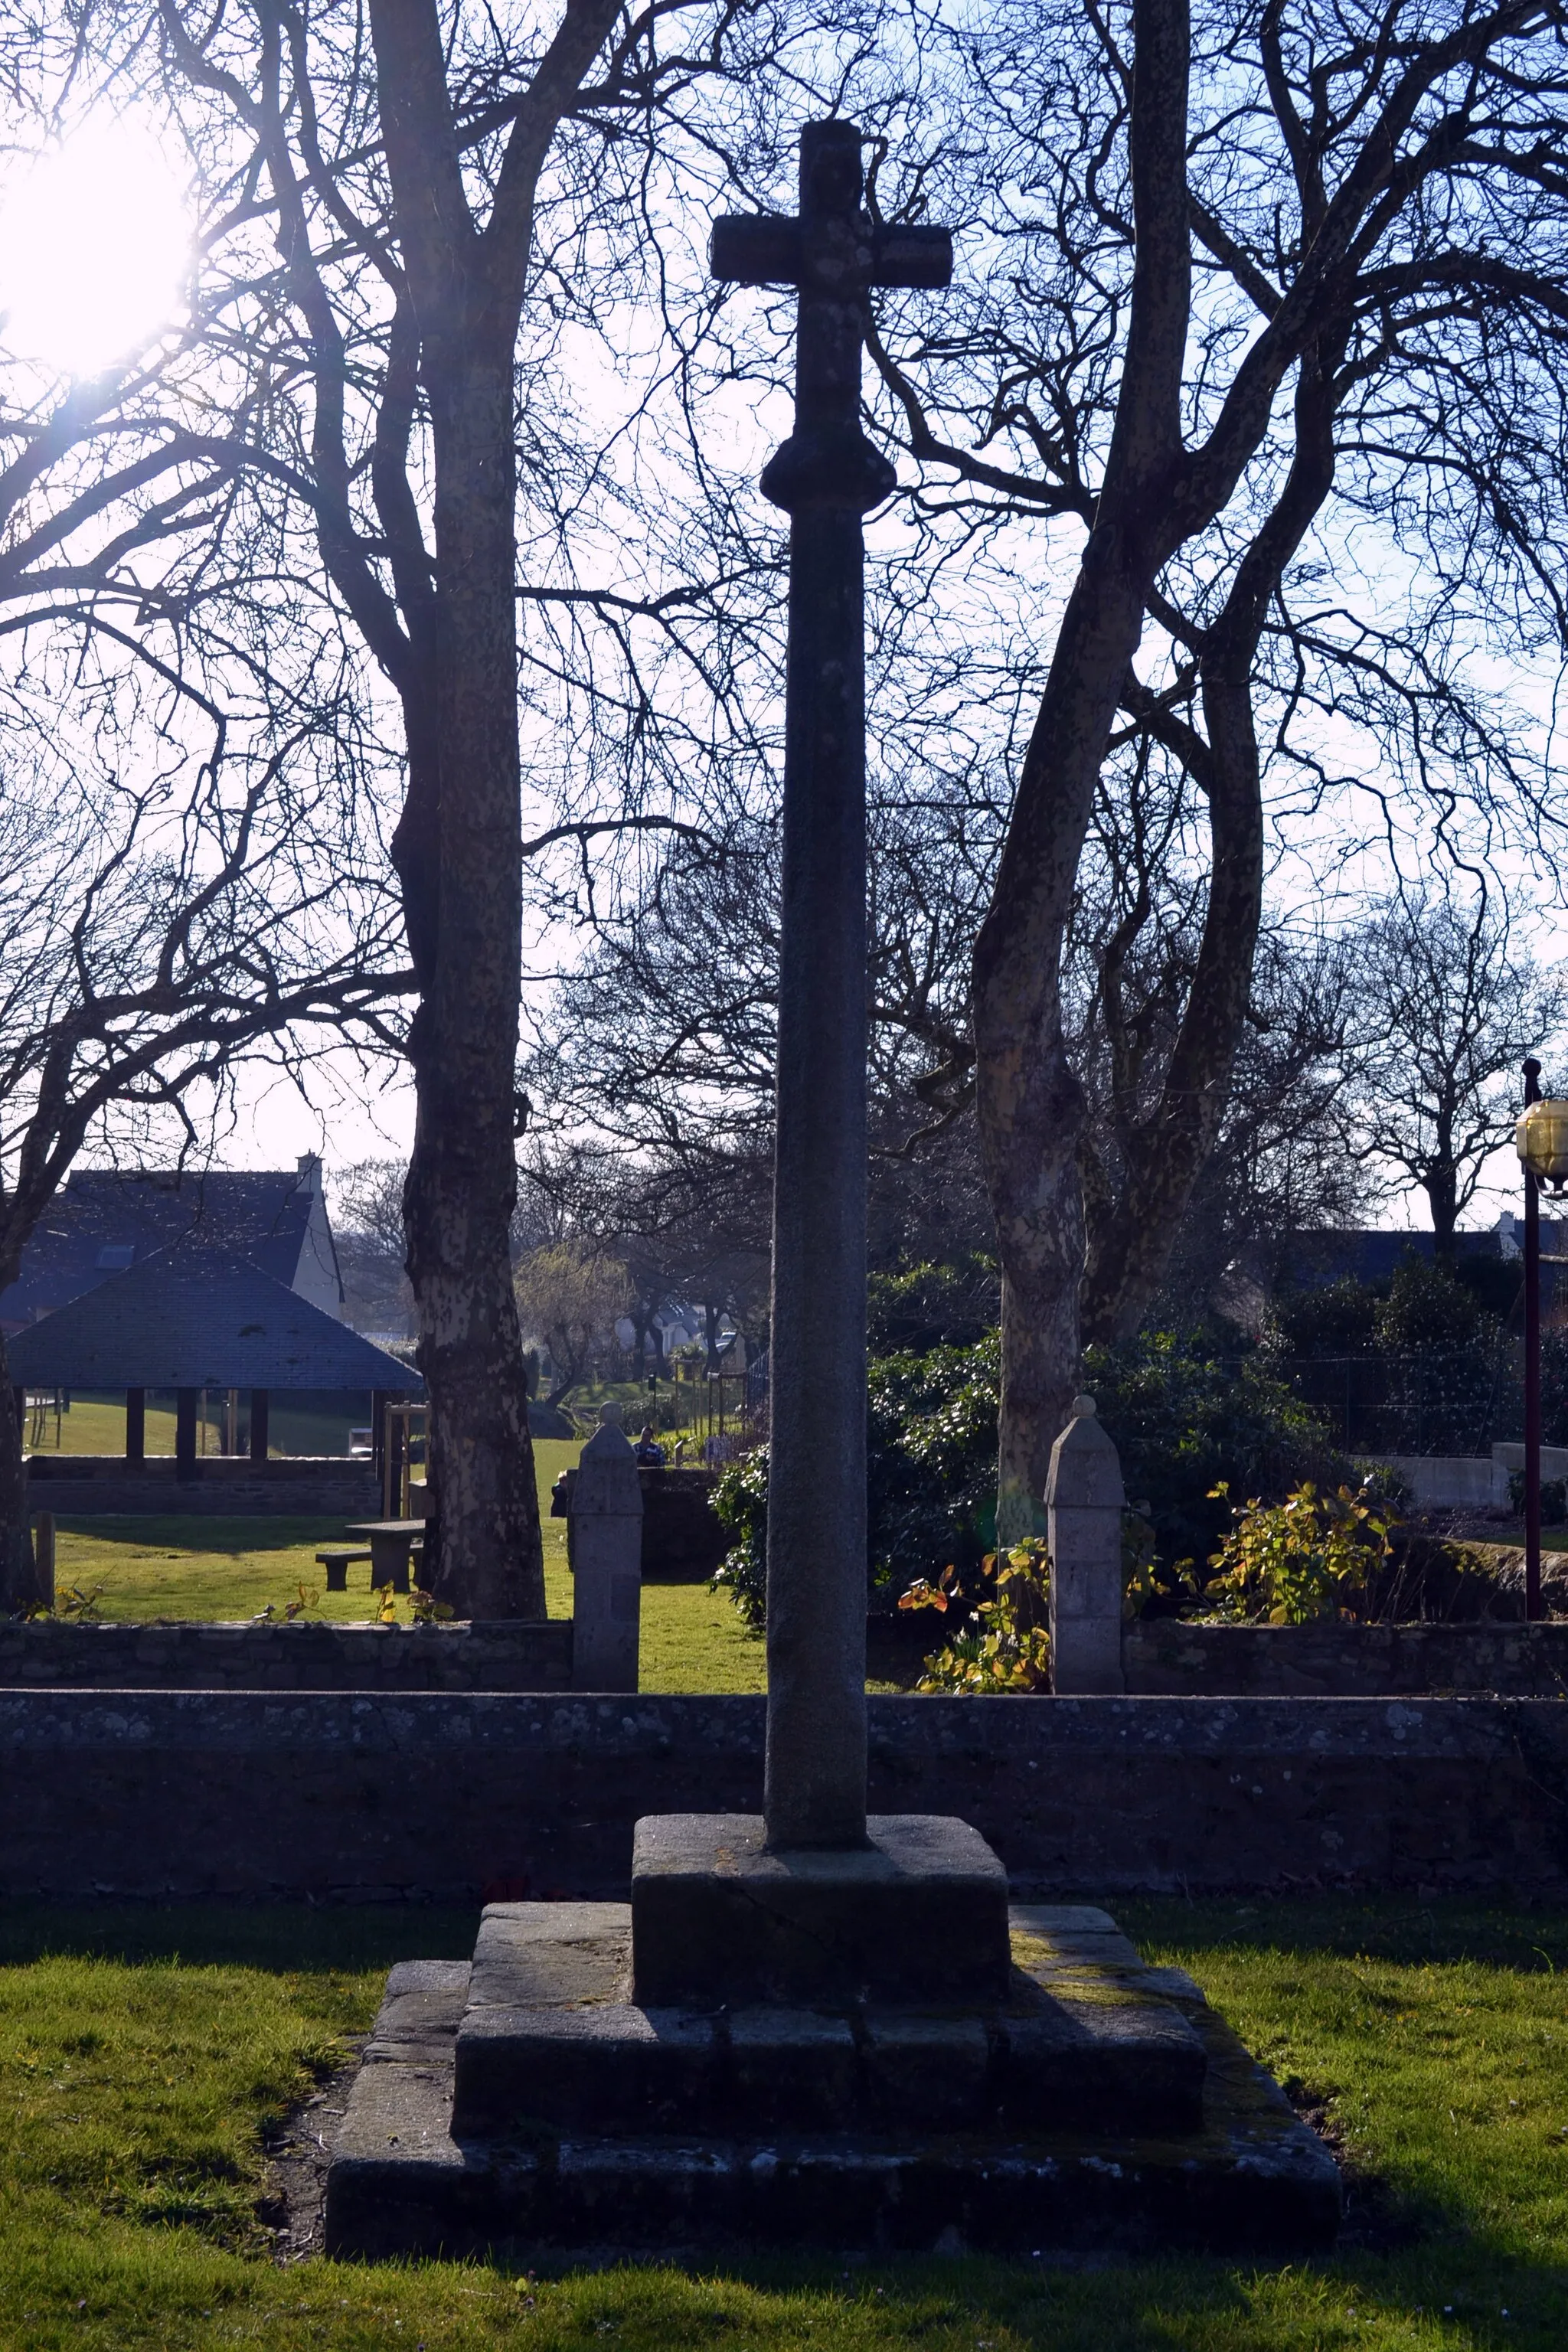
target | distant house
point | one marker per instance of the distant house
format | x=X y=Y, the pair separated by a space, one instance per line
x=1311 y=1261
x=105 y=1221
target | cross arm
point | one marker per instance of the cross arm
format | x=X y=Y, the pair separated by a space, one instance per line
x=768 y=249
x=755 y=249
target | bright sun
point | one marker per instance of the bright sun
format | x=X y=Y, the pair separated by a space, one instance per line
x=94 y=240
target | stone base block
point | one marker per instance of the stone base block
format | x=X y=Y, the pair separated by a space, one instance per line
x=920 y=1914
x=405 y=2177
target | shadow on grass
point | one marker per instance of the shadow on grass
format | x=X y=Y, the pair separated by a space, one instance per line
x=194 y=1532
x=284 y=1938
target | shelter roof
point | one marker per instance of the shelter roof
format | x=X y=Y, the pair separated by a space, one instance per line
x=194 y=1318
x=107 y=1219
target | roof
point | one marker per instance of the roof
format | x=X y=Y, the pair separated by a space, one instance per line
x=1314 y=1259
x=104 y=1220
x=194 y=1318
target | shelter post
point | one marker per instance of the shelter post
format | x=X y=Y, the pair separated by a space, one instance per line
x=260 y=1400
x=19 y=1401
x=184 y=1434
x=136 y=1425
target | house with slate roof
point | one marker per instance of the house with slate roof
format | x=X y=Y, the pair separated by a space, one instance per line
x=105 y=1221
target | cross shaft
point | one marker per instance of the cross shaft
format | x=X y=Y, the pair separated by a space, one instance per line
x=825 y=476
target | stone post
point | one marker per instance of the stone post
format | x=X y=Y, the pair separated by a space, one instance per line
x=605 y=1530
x=1083 y=1516
x=44 y=1558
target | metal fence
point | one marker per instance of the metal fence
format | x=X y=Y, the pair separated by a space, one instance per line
x=1460 y=1402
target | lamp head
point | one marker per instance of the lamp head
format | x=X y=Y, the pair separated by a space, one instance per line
x=1540 y=1140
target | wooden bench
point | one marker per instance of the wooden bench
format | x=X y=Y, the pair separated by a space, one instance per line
x=337 y=1560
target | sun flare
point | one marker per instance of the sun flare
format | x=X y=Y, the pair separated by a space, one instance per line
x=94 y=241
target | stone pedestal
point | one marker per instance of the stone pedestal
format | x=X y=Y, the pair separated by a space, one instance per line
x=1084 y=1502
x=919 y=1914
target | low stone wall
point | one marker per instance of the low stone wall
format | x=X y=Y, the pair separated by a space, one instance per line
x=366 y=1797
x=321 y=1486
x=683 y=1537
x=1162 y=1657
x=301 y=1656
x=1165 y=1656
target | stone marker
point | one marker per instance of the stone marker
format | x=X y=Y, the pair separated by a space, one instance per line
x=606 y=1561
x=44 y=1558
x=1083 y=1518
x=826 y=476
x=948 y=2073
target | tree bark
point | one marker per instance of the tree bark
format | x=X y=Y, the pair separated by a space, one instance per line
x=1029 y=1105
x=458 y=845
x=462 y=1178
x=1132 y=1226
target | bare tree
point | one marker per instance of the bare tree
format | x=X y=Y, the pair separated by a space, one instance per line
x=150 y=940
x=570 y=1295
x=1449 y=1007
x=421 y=223
x=368 y=1232
x=1244 y=273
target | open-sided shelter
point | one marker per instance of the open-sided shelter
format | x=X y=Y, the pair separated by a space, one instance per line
x=190 y=1318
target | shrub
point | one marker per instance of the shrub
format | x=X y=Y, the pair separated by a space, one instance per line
x=1183 y=1422
x=930 y=1483
x=1186 y=1423
x=1003 y=1646
x=1553 y=1498
x=1294 y=1562
x=950 y=1305
x=1337 y=1320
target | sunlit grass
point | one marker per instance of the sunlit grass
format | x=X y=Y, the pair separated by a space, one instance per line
x=143 y=2052
x=229 y=1569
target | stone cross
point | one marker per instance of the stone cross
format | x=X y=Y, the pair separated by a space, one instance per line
x=1083 y=1521
x=606 y=1529
x=826 y=476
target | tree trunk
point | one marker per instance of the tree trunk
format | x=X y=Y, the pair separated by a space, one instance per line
x=1441 y=1186
x=1132 y=1227
x=462 y=1177
x=1029 y=1106
x=18 y=1586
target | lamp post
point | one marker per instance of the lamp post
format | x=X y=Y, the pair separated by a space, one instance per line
x=1540 y=1140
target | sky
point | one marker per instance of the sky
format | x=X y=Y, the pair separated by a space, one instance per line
x=93 y=249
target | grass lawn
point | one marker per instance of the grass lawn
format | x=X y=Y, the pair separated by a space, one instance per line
x=144 y=2053
x=215 y=1569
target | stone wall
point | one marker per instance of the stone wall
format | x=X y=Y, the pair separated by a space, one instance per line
x=366 y=1797
x=301 y=1656
x=1163 y=1656
x=683 y=1537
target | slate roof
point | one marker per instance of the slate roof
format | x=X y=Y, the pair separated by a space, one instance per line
x=194 y=1318
x=1310 y=1261
x=104 y=1220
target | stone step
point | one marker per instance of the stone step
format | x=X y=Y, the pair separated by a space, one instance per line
x=1251 y=2177
x=551 y=2040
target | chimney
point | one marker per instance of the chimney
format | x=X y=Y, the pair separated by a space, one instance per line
x=309 y=1167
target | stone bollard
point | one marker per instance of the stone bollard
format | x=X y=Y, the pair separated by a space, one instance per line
x=605 y=1546
x=1083 y=1513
